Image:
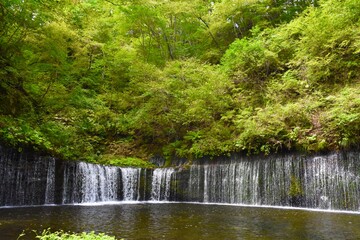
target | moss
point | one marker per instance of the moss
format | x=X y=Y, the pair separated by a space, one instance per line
x=295 y=187
x=125 y=161
x=295 y=191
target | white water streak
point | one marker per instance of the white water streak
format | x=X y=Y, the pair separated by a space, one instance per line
x=131 y=183
x=161 y=183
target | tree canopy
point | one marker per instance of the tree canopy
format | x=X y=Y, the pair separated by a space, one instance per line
x=99 y=80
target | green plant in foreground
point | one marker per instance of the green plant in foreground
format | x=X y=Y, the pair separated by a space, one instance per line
x=46 y=234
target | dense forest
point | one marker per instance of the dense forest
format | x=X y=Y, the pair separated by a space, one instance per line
x=115 y=81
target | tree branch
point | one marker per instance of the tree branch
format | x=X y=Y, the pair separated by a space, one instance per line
x=115 y=4
x=211 y=35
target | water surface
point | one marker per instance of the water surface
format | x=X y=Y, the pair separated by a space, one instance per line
x=182 y=221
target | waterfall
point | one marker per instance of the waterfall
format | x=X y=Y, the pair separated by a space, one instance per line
x=50 y=182
x=333 y=184
x=160 y=185
x=226 y=183
x=131 y=183
x=25 y=179
x=329 y=181
x=85 y=183
x=99 y=183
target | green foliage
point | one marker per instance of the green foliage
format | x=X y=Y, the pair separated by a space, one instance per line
x=20 y=133
x=286 y=78
x=61 y=235
x=274 y=127
x=327 y=49
x=342 y=117
x=189 y=96
x=295 y=189
x=249 y=61
x=286 y=88
x=114 y=83
x=229 y=20
x=125 y=162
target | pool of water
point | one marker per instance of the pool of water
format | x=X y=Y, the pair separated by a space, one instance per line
x=181 y=221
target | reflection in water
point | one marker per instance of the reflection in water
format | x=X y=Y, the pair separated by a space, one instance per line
x=182 y=221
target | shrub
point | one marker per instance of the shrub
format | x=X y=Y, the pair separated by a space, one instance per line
x=61 y=235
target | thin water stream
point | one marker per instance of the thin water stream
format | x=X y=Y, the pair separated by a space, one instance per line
x=182 y=221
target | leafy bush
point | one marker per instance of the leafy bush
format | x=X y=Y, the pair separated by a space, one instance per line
x=250 y=61
x=342 y=117
x=61 y=235
x=327 y=49
x=17 y=132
